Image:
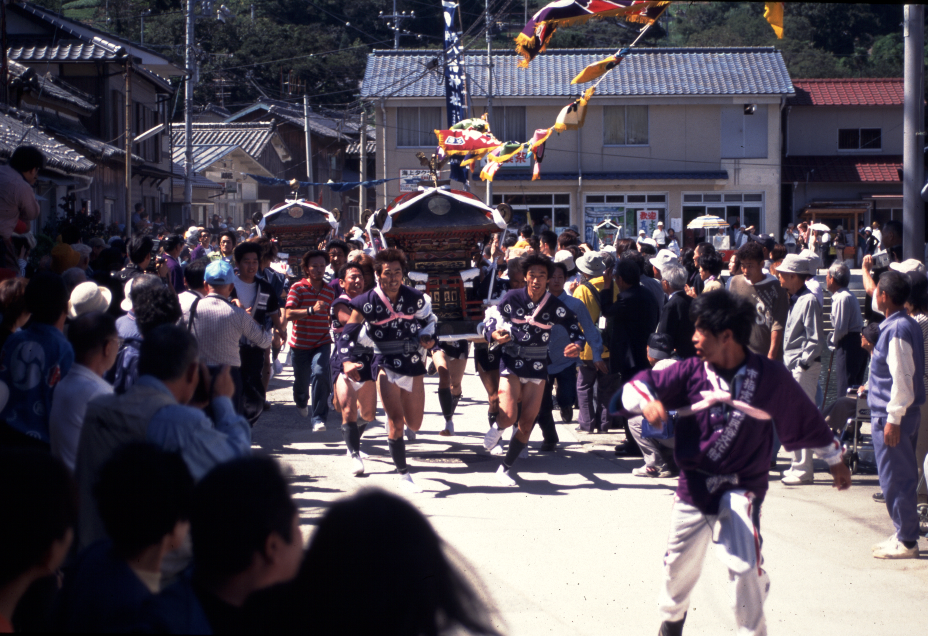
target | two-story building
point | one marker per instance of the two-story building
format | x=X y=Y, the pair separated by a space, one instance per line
x=93 y=119
x=669 y=135
x=843 y=151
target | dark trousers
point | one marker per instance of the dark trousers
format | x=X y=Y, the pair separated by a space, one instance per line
x=312 y=379
x=253 y=392
x=594 y=390
x=545 y=419
x=850 y=363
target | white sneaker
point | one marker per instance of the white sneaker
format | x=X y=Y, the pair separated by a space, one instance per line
x=361 y=454
x=503 y=476
x=896 y=550
x=492 y=437
x=884 y=543
x=498 y=449
x=304 y=410
x=410 y=435
x=278 y=367
x=357 y=466
x=407 y=483
x=319 y=427
x=796 y=480
x=448 y=430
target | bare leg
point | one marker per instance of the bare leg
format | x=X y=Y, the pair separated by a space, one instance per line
x=392 y=405
x=510 y=394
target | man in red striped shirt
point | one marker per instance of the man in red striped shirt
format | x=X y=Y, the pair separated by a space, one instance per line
x=308 y=309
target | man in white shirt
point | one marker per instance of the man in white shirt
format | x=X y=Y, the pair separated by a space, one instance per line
x=196 y=287
x=659 y=236
x=96 y=344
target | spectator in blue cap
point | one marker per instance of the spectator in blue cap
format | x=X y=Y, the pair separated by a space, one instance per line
x=220 y=324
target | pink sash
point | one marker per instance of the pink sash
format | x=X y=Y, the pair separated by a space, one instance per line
x=393 y=315
x=719 y=395
x=531 y=319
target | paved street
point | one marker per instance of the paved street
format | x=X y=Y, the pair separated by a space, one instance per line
x=577 y=548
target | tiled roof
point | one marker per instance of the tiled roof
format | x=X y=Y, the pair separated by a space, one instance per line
x=77 y=135
x=66 y=51
x=199 y=181
x=645 y=72
x=719 y=175
x=252 y=137
x=848 y=92
x=16 y=130
x=203 y=156
x=49 y=87
x=320 y=124
x=842 y=169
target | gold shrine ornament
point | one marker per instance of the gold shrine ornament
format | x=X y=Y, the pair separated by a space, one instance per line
x=295 y=211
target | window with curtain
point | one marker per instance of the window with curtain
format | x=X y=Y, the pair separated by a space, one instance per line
x=508 y=123
x=625 y=125
x=414 y=126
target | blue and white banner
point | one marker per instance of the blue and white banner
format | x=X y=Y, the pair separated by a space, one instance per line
x=455 y=87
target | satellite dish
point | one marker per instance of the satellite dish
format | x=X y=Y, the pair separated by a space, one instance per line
x=505 y=211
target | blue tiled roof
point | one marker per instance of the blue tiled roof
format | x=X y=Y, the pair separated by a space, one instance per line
x=613 y=176
x=645 y=72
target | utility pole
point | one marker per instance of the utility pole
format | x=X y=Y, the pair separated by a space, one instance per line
x=128 y=143
x=309 y=147
x=913 y=158
x=362 y=197
x=397 y=23
x=489 y=91
x=190 y=63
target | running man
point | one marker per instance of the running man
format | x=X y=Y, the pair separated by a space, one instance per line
x=451 y=361
x=401 y=325
x=352 y=396
x=524 y=329
x=727 y=400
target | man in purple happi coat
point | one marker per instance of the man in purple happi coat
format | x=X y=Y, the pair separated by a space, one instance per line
x=727 y=400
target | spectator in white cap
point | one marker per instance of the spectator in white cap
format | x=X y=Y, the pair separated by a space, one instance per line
x=88 y=297
x=641 y=236
x=659 y=236
x=803 y=342
x=573 y=275
x=664 y=258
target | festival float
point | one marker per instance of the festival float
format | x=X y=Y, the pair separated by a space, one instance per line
x=298 y=225
x=442 y=231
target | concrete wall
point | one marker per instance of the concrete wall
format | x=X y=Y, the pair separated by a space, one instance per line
x=684 y=136
x=813 y=130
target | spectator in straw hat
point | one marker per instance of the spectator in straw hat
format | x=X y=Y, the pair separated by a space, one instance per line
x=88 y=297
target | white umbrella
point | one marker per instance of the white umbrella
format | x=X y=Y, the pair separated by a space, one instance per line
x=706 y=221
x=820 y=227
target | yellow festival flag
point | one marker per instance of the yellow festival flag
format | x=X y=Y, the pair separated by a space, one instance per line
x=773 y=13
x=597 y=69
x=572 y=116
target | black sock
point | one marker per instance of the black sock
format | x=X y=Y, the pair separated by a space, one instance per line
x=361 y=429
x=491 y=418
x=909 y=544
x=454 y=402
x=512 y=453
x=352 y=437
x=398 y=453
x=444 y=400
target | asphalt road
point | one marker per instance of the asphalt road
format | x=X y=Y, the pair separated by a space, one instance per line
x=577 y=548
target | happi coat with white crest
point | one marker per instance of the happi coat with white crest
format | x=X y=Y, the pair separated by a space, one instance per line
x=529 y=324
x=405 y=320
x=723 y=435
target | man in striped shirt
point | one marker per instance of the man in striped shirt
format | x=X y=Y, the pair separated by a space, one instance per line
x=308 y=309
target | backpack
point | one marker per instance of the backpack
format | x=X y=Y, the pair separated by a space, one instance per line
x=125 y=370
